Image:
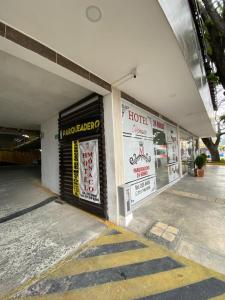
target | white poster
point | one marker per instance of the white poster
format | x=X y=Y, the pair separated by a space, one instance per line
x=173 y=172
x=89 y=171
x=172 y=144
x=172 y=147
x=136 y=121
x=139 y=159
x=140 y=190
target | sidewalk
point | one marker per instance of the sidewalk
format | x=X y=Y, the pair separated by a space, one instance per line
x=212 y=185
x=121 y=265
x=33 y=242
x=195 y=207
x=20 y=187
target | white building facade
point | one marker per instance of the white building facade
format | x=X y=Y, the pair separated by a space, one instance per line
x=118 y=90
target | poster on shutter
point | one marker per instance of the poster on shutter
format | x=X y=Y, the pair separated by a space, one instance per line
x=89 y=171
x=139 y=160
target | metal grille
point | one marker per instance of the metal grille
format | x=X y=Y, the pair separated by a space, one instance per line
x=88 y=108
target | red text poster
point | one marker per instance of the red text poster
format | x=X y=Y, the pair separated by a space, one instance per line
x=89 y=171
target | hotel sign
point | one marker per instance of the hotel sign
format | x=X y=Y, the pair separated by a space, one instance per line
x=139 y=159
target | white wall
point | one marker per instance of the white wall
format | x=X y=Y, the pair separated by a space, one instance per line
x=114 y=151
x=50 y=154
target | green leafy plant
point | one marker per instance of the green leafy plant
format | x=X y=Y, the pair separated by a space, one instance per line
x=222 y=118
x=213 y=78
x=200 y=161
x=205 y=157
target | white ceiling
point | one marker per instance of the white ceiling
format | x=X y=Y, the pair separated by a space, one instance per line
x=130 y=34
x=30 y=95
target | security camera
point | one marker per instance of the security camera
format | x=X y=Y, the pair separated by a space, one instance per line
x=131 y=75
x=134 y=72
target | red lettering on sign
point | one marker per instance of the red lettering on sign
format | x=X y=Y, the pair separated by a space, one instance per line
x=158 y=124
x=137 y=118
x=141 y=151
x=87 y=154
x=88 y=168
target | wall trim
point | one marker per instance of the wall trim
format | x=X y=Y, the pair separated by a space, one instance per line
x=31 y=44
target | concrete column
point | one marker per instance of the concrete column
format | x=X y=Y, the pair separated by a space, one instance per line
x=114 y=151
x=50 y=154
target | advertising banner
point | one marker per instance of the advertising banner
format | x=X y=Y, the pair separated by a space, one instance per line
x=75 y=169
x=86 y=171
x=139 y=159
x=136 y=121
x=142 y=189
x=172 y=145
x=173 y=172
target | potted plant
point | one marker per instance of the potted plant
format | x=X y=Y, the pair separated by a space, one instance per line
x=205 y=157
x=200 y=162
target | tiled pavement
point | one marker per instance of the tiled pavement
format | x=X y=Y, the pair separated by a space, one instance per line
x=121 y=265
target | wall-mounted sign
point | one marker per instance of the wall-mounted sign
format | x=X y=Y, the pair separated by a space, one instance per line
x=142 y=189
x=136 y=121
x=158 y=124
x=85 y=170
x=77 y=130
x=139 y=160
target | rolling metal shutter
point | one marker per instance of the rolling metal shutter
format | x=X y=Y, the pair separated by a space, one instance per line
x=90 y=108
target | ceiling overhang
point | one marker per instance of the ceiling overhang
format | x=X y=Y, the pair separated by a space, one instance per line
x=129 y=35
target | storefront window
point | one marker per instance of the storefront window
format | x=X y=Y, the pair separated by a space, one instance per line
x=150 y=151
x=188 y=150
x=161 y=158
x=172 y=145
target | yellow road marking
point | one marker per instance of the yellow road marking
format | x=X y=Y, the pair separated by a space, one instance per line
x=221 y=297
x=125 y=289
x=136 y=287
x=107 y=261
x=111 y=239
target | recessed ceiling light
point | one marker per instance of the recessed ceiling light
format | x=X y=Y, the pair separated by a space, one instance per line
x=93 y=13
x=172 y=95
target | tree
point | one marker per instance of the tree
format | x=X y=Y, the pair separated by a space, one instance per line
x=213 y=16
